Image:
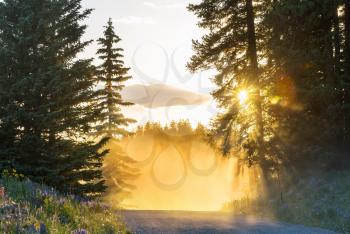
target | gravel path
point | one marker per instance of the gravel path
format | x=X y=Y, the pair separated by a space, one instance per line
x=174 y=222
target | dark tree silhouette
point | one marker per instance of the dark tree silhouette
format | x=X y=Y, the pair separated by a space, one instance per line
x=46 y=94
x=119 y=169
x=111 y=74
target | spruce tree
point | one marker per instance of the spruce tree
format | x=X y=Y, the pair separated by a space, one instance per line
x=47 y=95
x=112 y=74
x=119 y=168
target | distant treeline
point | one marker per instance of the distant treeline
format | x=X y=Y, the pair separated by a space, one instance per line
x=180 y=128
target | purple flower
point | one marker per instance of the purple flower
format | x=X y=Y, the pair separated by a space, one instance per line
x=80 y=231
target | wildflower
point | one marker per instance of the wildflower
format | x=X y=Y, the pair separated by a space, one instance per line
x=43 y=229
x=37 y=226
x=2 y=192
x=61 y=201
x=45 y=193
x=80 y=231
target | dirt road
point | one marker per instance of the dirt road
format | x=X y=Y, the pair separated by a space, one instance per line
x=173 y=222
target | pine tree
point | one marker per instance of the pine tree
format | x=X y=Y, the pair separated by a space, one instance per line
x=119 y=168
x=233 y=47
x=291 y=58
x=112 y=74
x=46 y=95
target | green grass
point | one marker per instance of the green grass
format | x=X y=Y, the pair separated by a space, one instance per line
x=30 y=208
x=317 y=201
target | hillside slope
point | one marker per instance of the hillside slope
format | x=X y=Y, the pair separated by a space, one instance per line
x=26 y=207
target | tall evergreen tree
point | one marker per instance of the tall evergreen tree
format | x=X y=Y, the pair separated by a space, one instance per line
x=112 y=74
x=46 y=95
x=119 y=168
x=291 y=58
x=234 y=48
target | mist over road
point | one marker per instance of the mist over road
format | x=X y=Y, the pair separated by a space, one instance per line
x=183 y=222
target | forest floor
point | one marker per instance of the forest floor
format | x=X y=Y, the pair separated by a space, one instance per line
x=185 y=222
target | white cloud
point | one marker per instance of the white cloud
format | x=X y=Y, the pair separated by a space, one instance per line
x=162 y=95
x=164 y=6
x=135 y=20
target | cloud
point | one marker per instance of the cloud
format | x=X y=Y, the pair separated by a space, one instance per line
x=161 y=95
x=164 y=6
x=135 y=20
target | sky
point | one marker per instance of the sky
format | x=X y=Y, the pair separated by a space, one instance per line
x=157 y=41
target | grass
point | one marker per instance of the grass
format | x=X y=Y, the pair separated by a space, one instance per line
x=31 y=208
x=317 y=201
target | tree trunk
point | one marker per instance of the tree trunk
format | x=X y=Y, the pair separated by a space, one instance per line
x=336 y=40
x=328 y=53
x=347 y=36
x=347 y=71
x=110 y=105
x=254 y=71
x=252 y=48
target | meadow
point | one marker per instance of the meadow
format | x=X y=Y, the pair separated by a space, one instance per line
x=30 y=208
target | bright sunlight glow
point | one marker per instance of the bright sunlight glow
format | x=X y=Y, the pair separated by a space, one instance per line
x=243 y=96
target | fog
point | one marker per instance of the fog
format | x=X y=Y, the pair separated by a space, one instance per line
x=185 y=173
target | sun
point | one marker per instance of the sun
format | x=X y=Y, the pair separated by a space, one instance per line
x=243 y=97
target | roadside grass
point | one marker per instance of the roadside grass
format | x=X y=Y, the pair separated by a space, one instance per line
x=316 y=201
x=28 y=207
